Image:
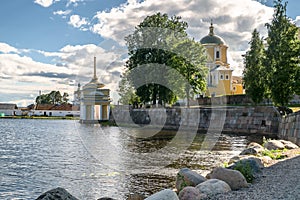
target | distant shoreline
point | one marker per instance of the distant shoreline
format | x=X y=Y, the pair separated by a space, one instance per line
x=39 y=117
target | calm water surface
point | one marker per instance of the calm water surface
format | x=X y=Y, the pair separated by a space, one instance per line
x=92 y=161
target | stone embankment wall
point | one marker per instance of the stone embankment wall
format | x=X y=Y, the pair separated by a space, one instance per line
x=261 y=120
x=290 y=128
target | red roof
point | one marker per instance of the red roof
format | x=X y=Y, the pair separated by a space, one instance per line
x=65 y=107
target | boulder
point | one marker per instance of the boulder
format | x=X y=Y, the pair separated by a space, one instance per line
x=266 y=160
x=253 y=149
x=260 y=160
x=249 y=167
x=288 y=144
x=274 y=145
x=190 y=193
x=186 y=177
x=255 y=163
x=166 y=194
x=233 y=178
x=56 y=194
x=136 y=197
x=213 y=186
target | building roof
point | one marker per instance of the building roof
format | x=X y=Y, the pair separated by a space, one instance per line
x=8 y=106
x=237 y=80
x=94 y=83
x=221 y=68
x=62 y=107
x=211 y=38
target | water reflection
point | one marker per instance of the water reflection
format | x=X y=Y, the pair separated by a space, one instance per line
x=91 y=161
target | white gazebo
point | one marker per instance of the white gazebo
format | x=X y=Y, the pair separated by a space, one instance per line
x=94 y=101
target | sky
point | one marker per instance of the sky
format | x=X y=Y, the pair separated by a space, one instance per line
x=49 y=45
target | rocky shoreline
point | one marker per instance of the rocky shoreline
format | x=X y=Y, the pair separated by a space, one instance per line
x=259 y=172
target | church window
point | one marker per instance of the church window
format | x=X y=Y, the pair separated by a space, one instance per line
x=226 y=77
x=221 y=77
x=218 y=54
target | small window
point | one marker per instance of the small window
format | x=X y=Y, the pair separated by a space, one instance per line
x=234 y=88
x=221 y=77
x=227 y=77
x=218 y=54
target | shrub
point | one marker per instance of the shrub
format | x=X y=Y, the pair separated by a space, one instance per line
x=246 y=170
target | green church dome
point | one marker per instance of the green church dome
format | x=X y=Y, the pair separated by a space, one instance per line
x=211 y=38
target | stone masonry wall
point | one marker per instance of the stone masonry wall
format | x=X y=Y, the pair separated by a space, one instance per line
x=290 y=128
x=261 y=120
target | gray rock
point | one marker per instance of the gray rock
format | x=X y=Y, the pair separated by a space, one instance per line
x=56 y=194
x=253 y=149
x=288 y=144
x=266 y=160
x=106 y=198
x=274 y=145
x=191 y=193
x=166 y=194
x=233 y=178
x=255 y=145
x=255 y=165
x=213 y=186
x=186 y=177
x=136 y=197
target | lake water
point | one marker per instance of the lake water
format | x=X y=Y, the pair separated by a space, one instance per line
x=91 y=161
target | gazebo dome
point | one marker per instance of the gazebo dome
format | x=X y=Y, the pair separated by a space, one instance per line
x=211 y=38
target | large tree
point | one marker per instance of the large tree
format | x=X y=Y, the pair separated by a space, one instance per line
x=163 y=41
x=282 y=56
x=254 y=72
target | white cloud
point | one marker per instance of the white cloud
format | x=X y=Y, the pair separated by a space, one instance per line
x=61 y=12
x=77 y=21
x=73 y=2
x=5 y=48
x=233 y=20
x=297 y=21
x=45 y=3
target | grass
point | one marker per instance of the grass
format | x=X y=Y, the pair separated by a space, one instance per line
x=274 y=154
x=295 y=109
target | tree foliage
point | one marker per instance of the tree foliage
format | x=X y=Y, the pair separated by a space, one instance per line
x=54 y=97
x=254 y=72
x=282 y=56
x=127 y=92
x=160 y=40
x=274 y=73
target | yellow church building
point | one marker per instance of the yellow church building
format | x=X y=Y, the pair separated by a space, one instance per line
x=220 y=80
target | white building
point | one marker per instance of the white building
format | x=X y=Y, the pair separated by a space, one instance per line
x=94 y=101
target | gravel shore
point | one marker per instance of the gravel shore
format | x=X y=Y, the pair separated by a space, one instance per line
x=278 y=181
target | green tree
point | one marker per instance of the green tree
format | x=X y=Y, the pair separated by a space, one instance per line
x=164 y=41
x=65 y=98
x=127 y=91
x=282 y=56
x=254 y=72
x=189 y=59
x=54 y=97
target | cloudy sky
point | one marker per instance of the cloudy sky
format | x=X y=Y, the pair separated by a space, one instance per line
x=50 y=44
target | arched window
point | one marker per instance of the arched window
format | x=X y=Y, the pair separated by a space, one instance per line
x=221 y=77
x=218 y=54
